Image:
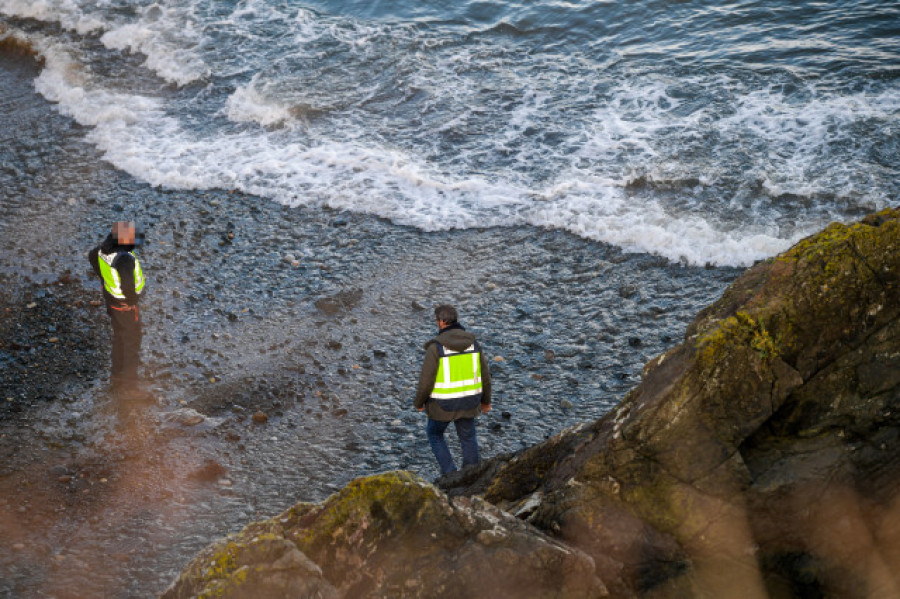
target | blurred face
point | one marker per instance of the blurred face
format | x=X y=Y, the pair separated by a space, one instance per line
x=124 y=233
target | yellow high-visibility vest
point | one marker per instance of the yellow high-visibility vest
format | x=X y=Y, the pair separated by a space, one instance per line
x=110 y=275
x=458 y=374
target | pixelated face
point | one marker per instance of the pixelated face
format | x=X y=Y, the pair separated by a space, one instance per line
x=123 y=231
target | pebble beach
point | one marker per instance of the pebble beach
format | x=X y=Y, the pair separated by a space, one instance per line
x=281 y=350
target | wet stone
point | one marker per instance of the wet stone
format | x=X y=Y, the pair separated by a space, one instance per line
x=210 y=471
x=627 y=291
x=184 y=417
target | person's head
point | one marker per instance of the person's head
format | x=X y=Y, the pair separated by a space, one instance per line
x=123 y=232
x=445 y=315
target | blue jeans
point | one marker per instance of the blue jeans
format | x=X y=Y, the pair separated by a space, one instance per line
x=465 y=430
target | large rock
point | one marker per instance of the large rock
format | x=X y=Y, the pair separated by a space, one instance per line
x=759 y=458
x=391 y=535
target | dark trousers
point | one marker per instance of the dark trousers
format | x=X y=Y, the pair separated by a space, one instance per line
x=468 y=441
x=126 y=346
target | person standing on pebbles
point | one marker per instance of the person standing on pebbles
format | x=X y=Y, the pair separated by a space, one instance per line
x=454 y=386
x=123 y=283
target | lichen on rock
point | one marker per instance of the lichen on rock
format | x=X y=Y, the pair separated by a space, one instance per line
x=390 y=535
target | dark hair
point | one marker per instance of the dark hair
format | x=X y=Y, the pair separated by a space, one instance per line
x=446 y=313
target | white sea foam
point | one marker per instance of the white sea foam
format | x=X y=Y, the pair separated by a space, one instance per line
x=67 y=83
x=603 y=211
x=137 y=136
x=247 y=104
x=67 y=13
x=489 y=140
x=811 y=144
x=168 y=37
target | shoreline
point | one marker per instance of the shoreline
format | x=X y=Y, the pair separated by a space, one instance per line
x=326 y=344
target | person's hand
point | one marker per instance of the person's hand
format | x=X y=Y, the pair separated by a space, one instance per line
x=420 y=409
x=485 y=408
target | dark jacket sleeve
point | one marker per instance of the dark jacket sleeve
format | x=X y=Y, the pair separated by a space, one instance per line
x=426 y=377
x=125 y=266
x=485 y=380
x=93 y=258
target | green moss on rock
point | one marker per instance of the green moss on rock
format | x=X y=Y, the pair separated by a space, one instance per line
x=364 y=511
x=738 y=330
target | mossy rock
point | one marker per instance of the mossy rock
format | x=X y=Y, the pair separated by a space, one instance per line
x=821 y=296
x=252 y=565
x=790 y=376
x=390 y=535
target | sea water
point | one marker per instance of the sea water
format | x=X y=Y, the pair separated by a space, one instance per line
x=704 y=132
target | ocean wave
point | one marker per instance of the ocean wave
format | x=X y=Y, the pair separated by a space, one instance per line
x=431 y=127
x=168 y=37
x=808 y=140
x=67 y=13
x=137 y=135
x=247 y=104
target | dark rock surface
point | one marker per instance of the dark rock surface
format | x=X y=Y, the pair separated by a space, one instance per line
x=759 y=458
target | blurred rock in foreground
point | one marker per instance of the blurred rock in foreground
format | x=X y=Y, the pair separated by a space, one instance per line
x=759 y=458
x=390 y=535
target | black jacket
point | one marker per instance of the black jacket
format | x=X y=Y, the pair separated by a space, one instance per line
x=124 y=264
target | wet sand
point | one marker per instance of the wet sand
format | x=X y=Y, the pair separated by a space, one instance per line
x=312 y=317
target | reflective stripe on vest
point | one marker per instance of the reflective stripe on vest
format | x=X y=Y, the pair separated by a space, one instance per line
x=111 y=281
x=458 y=374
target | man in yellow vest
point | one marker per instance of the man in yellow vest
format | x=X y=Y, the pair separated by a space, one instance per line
x=123 y=282
x=454 y=386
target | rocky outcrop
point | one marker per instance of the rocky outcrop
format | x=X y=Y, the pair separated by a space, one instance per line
x=759 y=458
x=391 y=535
